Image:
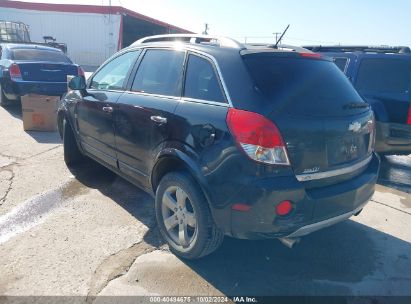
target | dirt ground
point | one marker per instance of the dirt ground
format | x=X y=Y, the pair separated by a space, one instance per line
x=90 y=233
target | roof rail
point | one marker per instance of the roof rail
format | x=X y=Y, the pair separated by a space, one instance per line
x=360 y=48
x=194 y=39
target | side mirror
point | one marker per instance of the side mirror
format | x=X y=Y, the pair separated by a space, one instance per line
x=77 y=83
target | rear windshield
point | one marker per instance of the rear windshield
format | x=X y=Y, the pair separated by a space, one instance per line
x=384 y=75
x=302 y=86
x=38 y=55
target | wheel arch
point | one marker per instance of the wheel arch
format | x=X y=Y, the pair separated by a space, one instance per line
x=175 y=160
x=62 y=114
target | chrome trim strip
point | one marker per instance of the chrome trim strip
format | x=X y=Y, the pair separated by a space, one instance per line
x=326 y=223
x=332 y=173
x=202 y=101
x=177 y=98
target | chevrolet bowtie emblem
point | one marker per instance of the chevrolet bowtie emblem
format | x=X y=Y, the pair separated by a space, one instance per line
x=354 y=127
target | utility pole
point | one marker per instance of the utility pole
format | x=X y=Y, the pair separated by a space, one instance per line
x=206 y=29
x=276 y=36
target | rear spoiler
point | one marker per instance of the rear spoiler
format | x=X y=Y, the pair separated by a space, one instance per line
x=360 y=48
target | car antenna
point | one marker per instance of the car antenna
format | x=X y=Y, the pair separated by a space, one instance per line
x=281 y=37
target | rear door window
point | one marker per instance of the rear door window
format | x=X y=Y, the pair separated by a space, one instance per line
x=384 y=75
x=113 y=75
x=341 y=62
x=39 y=55
x=201 y=80
x=160 y=72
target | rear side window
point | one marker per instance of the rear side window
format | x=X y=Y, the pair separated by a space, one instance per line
x=160 y=72
x=341 y=62
x=113 y=75
x=384 y=75
x=201 y=80
x=39 y=55
x=301 y=86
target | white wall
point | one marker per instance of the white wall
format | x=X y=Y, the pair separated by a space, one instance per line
x=90 y=38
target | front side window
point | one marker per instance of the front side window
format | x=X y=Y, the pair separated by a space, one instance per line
x=113 y=75
x=201 y=81
x=160 y=72
x=384 y=75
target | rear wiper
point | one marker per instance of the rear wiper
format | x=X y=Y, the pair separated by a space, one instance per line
x=355 y=105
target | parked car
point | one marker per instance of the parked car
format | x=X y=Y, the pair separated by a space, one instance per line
x=383 y=76
x=241 y=140
x=27 y=68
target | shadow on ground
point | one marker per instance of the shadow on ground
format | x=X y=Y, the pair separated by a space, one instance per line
x=39 y=136
x=324 y=263
x=45 y=137
x=135 y=201
x=15 y=109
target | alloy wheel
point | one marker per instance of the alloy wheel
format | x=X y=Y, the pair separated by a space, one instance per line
x=179 y=217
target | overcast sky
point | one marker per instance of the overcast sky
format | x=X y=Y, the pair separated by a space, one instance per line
x=372 y=22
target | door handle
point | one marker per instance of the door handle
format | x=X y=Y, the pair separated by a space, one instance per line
x=159 y=119
x=108 y=109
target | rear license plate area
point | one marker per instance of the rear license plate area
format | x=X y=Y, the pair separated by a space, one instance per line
x=347 y=148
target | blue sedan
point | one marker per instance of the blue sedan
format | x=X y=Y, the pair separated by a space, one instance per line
x=30 y=68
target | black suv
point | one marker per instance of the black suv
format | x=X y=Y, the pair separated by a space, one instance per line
x=383 y=76
x=240 y=140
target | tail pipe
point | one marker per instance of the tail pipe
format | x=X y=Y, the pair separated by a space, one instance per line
x=289 y=242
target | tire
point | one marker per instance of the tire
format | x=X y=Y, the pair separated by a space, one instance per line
x=4 y=102
x=72 y=154
x=181 y=206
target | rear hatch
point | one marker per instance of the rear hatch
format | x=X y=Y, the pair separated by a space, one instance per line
x=327 y=127
x=38 y=64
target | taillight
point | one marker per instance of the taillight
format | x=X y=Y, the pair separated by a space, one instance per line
x=80 y=71
x=284 y=208
x=258 y=137
x=409 y=115
x=311 y=55
x=14 y=71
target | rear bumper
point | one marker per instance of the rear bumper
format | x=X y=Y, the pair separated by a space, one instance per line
x=393 y=138
x=15 y=89
x=313 y=208
x=326 y=223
